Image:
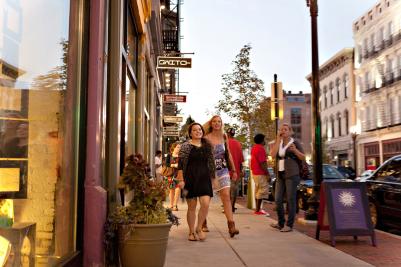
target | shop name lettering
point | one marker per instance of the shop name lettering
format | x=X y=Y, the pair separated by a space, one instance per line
x=174 y=63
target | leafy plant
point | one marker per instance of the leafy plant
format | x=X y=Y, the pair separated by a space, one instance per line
x=145 y=207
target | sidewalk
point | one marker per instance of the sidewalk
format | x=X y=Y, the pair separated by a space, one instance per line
x=257 y=244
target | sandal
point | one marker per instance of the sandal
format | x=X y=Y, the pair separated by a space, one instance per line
x=192 y=237
x=201 y=235
x=175 y=208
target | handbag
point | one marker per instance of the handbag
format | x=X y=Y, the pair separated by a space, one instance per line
x=303 y=170
x=167 y=171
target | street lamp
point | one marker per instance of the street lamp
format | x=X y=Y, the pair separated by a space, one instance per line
x=311 y=213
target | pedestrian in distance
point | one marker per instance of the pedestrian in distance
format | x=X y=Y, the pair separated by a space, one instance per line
x=289 y=155
x=172 y=181
x=238 y=158
x=224 y=163
x=158 y=165
x=196 y=169
x=260 y=173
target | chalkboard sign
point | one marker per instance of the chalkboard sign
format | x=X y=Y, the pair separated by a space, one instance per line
x=344 y=211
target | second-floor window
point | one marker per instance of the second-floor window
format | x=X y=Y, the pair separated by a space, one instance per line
x=295 y=116
x=338 y=90
x=339 y=123
x=346 y=84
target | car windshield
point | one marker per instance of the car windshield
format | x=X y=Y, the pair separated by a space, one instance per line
x=367 y=173
x=329 y=172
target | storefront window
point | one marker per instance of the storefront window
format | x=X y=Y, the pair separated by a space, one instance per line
x=132 y=41
x=34 y=45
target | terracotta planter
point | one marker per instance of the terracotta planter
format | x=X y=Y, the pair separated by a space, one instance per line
x=145 y=246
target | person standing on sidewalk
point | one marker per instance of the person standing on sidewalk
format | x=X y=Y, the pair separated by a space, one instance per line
x=260 y=173
x=238 y=158
x=223 y=160
x=289 y=154
x=158 y=166
x=174 y=189
x=196 y=169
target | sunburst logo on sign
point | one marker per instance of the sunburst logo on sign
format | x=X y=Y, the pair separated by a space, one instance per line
x=347 y=199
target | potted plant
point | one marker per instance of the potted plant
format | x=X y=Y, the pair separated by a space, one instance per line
x=137 y=233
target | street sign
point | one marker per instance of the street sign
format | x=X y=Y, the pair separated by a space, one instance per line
x=173 y=62
x=173 y=119
x=175 y=98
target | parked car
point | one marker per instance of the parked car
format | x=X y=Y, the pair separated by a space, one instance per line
x=384 y=192
x=347 y=172
x=330 y=174
x=364 y=176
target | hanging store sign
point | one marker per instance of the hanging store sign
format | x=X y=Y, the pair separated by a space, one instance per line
x=173 y=119
x=173 y=62
x=175 y=98
x=171 y=133
x=171 y=128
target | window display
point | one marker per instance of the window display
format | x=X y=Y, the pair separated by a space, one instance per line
x=35 y=104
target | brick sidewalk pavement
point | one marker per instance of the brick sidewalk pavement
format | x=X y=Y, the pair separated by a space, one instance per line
x=387 y=252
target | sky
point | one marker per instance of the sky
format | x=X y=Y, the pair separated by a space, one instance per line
x=279 y=33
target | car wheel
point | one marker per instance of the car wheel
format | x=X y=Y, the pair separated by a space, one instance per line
x=373 y=214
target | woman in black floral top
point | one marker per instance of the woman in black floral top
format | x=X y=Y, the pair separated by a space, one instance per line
x=195 y=170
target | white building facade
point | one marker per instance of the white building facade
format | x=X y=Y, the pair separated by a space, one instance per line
x=377 y=36
x=337 y=107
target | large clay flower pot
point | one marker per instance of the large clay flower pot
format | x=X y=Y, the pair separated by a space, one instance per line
x=144 y=246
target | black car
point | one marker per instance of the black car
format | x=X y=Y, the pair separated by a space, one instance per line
x=330 y=174
x=347 y=172
x=384 y=192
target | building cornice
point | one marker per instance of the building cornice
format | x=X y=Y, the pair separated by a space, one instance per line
x=335 y=63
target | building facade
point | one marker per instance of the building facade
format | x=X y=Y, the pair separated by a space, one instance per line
x=337 y=107
x=377 y=36
x=79 y=91
x=297 y=112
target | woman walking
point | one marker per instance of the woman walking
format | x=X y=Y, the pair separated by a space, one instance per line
x=174 y=189
x=215 y=135
x=196 y=169
x=289 y=154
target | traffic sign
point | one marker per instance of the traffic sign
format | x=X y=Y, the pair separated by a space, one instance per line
x=173 y=62
x=175 y=98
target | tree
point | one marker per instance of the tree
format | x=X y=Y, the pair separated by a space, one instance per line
x=184 y=128
x=242 y=92
x=262 y=122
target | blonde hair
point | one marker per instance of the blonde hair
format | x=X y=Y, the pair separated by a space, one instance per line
x=289 y=127
x=208 y=125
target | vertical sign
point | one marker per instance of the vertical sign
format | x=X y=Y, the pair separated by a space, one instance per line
x=277 y=99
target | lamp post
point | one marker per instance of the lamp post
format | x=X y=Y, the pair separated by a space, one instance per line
x=312 y=212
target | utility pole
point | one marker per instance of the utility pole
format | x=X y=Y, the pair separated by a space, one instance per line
x=312 y=212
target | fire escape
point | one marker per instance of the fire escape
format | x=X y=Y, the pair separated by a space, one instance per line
x=170 y=19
